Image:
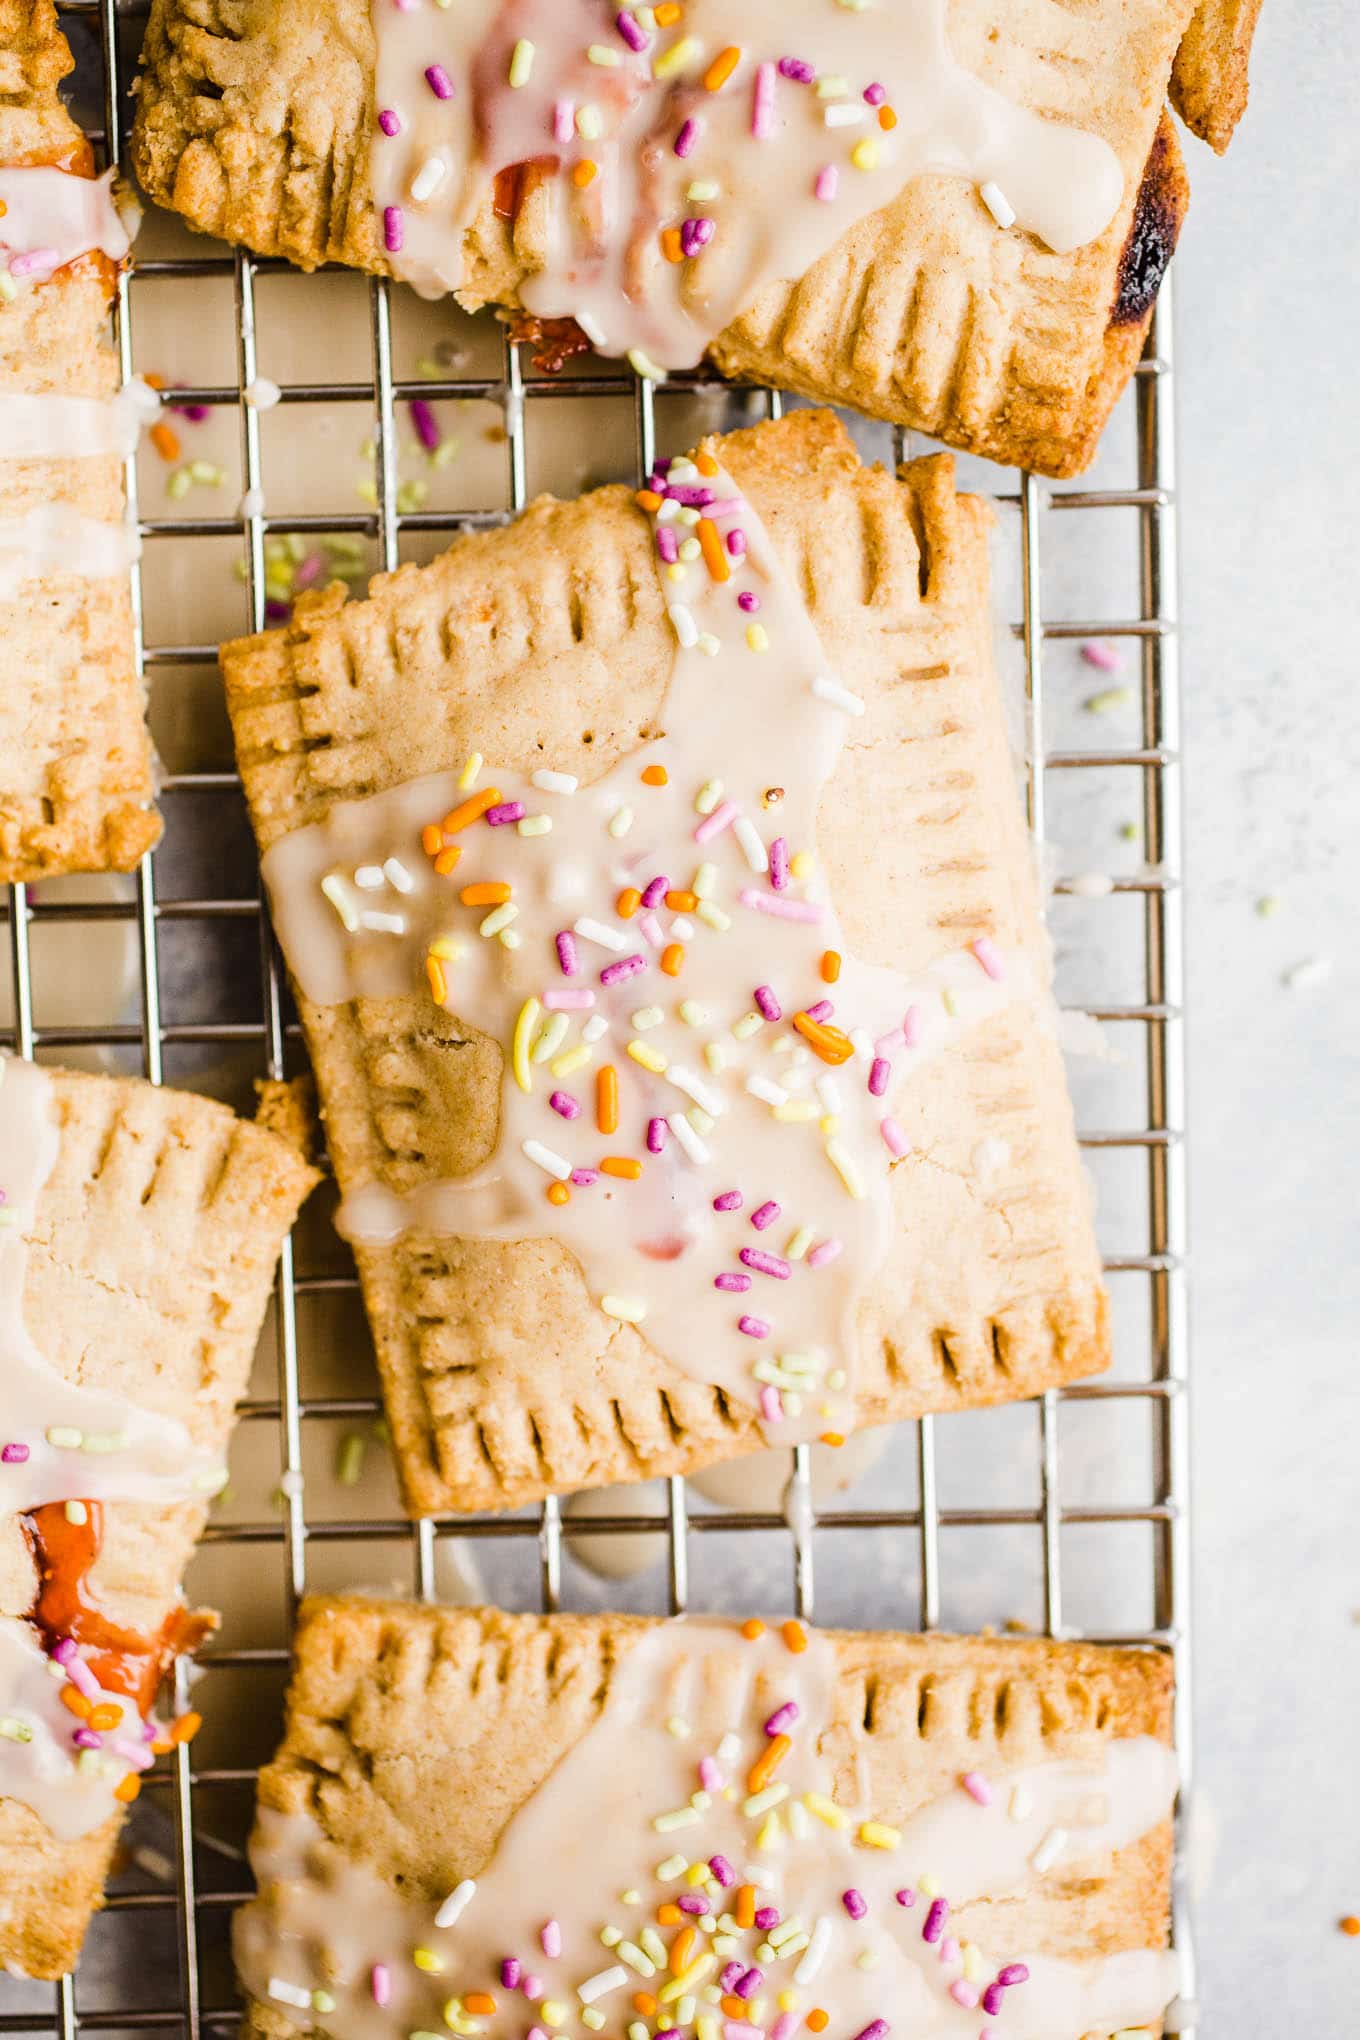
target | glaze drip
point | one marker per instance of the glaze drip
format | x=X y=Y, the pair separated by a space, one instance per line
x=52 y=217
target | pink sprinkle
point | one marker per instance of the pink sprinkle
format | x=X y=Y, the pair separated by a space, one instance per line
x=632 y=31
x=736 y=545
x=732 y=1281
x=879 y=1072
x=949 y=1949
x=723 y=1871
x=798 y=69
x=657 y=1130
x=785 y=2026
x=823 y=1010
x=694 y=1903
x=625 y=967
x=888 y=1044
x=33 y=261
x=82 y=1678
x=551 y=1937
x=64 y=1649
x=785 y=910
x=651 y=930
x=825 y=183
x=911 y=1026
x=894 y=1140
x=536 y=2032
x=963 y=1993
x=782 y=1718
x=711 y=1778
x=771 y=1406
x=976 y=1786
x=728 y=1200
x=505 y=812
x=762 y=103
x=729 y=1975
x=766 y=1214
x=389 y=121
x=754 y=1327
x=135 y=1755
x=567 y=955
x=571 y=999
x=426 y=424
x=734 y=2029
x=687 y=137
x=564 y=120
x=657 y=888
x=765 y=1264
x=667 y=544
x=439 y=81
x=1097 y=653
x=14 y=1454
x=713 y=825
x=749 y=601
x=779 y=863
x=532 y=1988
x=394 y=229
x=583 y=1178
x=564 y=1104
x=855 y=1903
x=1013 y=1973
x=989 y=956
x=874 y=95
x=696 y=233
x=825 y=1252
x=380 y=1983
x=309 y=570
x=767 y=1002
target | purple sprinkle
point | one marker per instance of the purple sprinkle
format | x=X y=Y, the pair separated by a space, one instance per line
x=874 y=95
x=880 y=1069
x=749 y=601
x=277 y=612
x=779 y=864
x=506 y=811
x=394 y=229
x=693 y=1902
x=766 y=1918
x=782 y=1718
x=696 y=233
x=729 y=1975
x=992 y=1999
x=626 y=967
x=583 y=1178
x=728 y=1200
x=754 y=1327
x=748 y=1984
x=87 y=1739
x=765 y=1264
x=656 y=892
x=765 y=1215
x=389 y=121
x=439 y=81
x=906 y=1896
x=632 y=31
x=731 y=1280
x=798 y=69
x=736 y=542
x=567 y=1107
x=855 y=1903
x=723 y=1871
x=823 y=1010
x=64 y=1649
x=657 y=1130
x=670 y=2033
x=935 y=1919
x=14 y=1454
x=1014 y=1972
x=667 y=544
x=426 y=424
x=567 y=956
x=877 y=2029
x=692 y=495
x=687 y=137
x=511 y=1971
x=767 y=1002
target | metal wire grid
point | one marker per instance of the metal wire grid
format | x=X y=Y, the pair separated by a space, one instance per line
x=1155 y=762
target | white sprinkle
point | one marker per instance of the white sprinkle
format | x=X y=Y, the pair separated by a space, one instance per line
x=706 y=799
x=748 y=835
x=592 y=328
x=647 y=1017
x=555 y=782
x=604 y=1979
x=703 y=881
x=289 y=1994
x=815 y=1953
x=845 y=113
x=333 y=886
x=769 y=1093
x=499 y=917
x=383 y=924
x=829 y=1094
x=1315 y=971
x=428 y=179
x=997 y=203
x=1049 y=1850
x=692 y=1013
x=369 y=878
x=262 y=394
x=397 y=876
x=595 y=931
x=695 y=1088
x=547 y=1159
x=831 y=691
x=682 y=928
x=1021 y=1803
x=620 y=822
x=595 y=1028
x=687 y=1137
x=729 y=1749
x=686 y=629
x=1091 y=885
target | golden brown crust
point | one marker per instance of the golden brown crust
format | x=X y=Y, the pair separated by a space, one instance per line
x=149 y=1269
x=255 y=125
x=1209 y=82
x=413 y=1734
x=548 y=640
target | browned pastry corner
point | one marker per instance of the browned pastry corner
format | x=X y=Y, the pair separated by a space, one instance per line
x=254 y=122
x=549 y=639
x=148 y=1272
x=75 y=760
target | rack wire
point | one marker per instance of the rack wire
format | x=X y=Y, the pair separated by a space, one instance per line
x=196 y=1896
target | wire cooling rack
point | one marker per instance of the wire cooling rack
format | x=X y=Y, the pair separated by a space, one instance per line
x=156 y=1959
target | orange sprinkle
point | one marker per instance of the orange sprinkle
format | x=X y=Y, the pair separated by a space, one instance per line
x=795 y=1637
x=817 y=2020
x=127 y=1788
x=1349 y=1925
x=672 y=958
x=827 y=1042
x=607 y=1099
x=746 y=1905
x=104 y=1718
x=721 y=69
x=886 y=117
x=655 y=775
x=711 y=546
x=583 y=174
x=627 y=903
x=471 y=810
x=621 y=1165
x=768 y=1762
x=833 y=1437
x=439 y=984
x=558 y=1193
x=447 y=858
x=153 y=382
x=752 y=1628
x=643 y=2001
x=830 y=966
x=432 y=839
x=671 y=246
x=682 y=902
x=669 y=1915
x=161 y=1747
x=668 y=13
x=479 y=2002
x=680 y=1949
x=185 y=1728
x=706 y=463
x=735 y=2007
x=72 y=1697
x=488 y=892
x=165 y=441
x=647 y=499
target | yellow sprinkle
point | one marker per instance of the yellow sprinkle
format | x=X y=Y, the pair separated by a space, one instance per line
x=829 y=1127
x=687 y=1979
x=676 y=57
x=642 y=364
x=796 y=1111
x=650 y=1058
x=708 y=796
x=715 y=1055
x=757 y=637
x=593 y=2017
x=629 y=1310
x=552 y=2012
x=802 y=864
x=864 y=155
x=787 y=2001
x=426 y=1959
x=929 y=1885
x=528 y=1020
x=698 y=1873
x=521 y=62
x=798 y=1243
x=845 y=1168
x=825 y=1809
x=647 y=1017
x=534 y=825
x=447 y=948
x=498 y=918
x=551 y=1038
x=770 y=1833
x=467 y=778
x=972 y=1962
x=713 y=916
x=692 y=1013
x=749 y=1024
x=703 y=881
x=571 y=1059
x=876 y=1834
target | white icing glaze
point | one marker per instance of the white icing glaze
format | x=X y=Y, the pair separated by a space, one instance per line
x=55 y=539
x=57 y=214
x=126 y=1453
x=70 y=1791
x=756 y=718
x=49 y=427
x=587 y=1834
x=605 y=262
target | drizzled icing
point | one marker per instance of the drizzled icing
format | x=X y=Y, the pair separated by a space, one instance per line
x=55 y=427
x=691 y=154
x=697 y=1087
x=700 y=1803
x=54 y=538
x=70 y=1790
x=50 y=217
